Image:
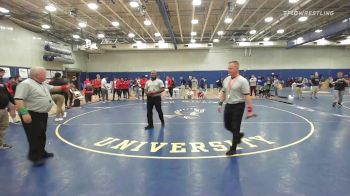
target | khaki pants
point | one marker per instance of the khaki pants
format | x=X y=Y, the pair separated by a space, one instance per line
x=59 y=100
x=4 y=123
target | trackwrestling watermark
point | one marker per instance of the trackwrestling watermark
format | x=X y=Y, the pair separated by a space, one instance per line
x=308 y=13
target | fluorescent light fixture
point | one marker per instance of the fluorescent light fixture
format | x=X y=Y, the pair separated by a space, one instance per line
x=348 y=37
x=345 y=42
x=157 y=34
x=244 y=43
x=193 y=33
x=220 y=32
x=45 y=26
x=115 y=24
x=75 y=36
x=82 y=24
x=321 y=42
x=100 y=35
x=131 y=35
x=293 y=1
x=280 y=31
x=134 y=4
x=92 y=6
x=194 y=21
x=302 y=19
x=4 y=10
x=147 y=22
x=266 y=39
x=240 y=2
x=300 y=38
x=268 y=19
x=318 y=30
x=193 y=41
x=138 y=42
x=50 y=8
x=216 y=40
x=243 y=39
x=87 y=40
x=252 y=32
x=228 y=20
x=268 y=43
x=161 y=42
x=196 y=2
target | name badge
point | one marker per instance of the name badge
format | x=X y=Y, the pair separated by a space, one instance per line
x=228 y=96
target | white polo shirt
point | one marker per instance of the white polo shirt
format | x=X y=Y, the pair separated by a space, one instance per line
x=153 y=86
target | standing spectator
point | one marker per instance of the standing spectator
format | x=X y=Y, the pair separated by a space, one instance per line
x=143 y=83
x=340 y=83
x=219 y=84
x=5 y=100
x=183 y=87
x=97 y=86
x=104 y=89
x=88 y=91
x=276 y=85
x=58 y=97
x=170 y=86
x=252 y=83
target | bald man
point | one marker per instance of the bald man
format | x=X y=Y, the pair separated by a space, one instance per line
x=154 y=88
x=33 y=102
x=236 y=94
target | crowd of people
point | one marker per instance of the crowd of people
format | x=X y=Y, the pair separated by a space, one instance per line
x=34 y=97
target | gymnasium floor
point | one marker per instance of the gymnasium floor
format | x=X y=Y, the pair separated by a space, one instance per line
x=102 y=149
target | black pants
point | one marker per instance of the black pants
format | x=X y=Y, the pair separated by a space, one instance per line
x=142 y=92
x=36 y=135
x=252 y=89
x=68 y=97
x=88 y=97
x=154 y=101
x=97 y=91
x=170 y=91
x=232 y=119
x=118 y=93
x=126 y=93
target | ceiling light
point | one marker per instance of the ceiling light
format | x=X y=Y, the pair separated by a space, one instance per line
x=50 y=8
x=100 y=35
x=193 y=41
x=196 y=2
x=300 y=38
x=4 y=10
x=134 y=4
x=131 y=35
x=280 y=31
x=193 y=33
x=348 y=37
x=115 y=24
x=147 y=22
x=228 y=20
x=161 y=42
x=45 y=26
x=194 y=21
x=302 y=19
x=293 y=1
x=252 y=32
x=266 y=39
x=82 y=24
x=244 y=39
x=92 y=6
x=318 y=30
x=76 y=36
x=220 y=32
x=244 y=43
x=240 y=2
x=157 y=34
x=216 y=40
x=268 y=19
x=138 y=42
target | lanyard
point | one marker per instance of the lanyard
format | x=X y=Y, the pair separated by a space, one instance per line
x=230 y=84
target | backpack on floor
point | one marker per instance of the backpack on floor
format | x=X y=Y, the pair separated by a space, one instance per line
x=76 y=103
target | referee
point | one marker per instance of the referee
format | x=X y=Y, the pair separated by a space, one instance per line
x=235 y=94
x=153 y=88
x=33 y=101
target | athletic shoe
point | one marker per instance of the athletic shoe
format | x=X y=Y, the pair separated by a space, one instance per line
x=231 y=152
x=38 y=163
x=64 y=114
x=339 y=105
x=5 y=146
x=334 y=104
x=149 y=127
x=57 y=119
x=48 y=155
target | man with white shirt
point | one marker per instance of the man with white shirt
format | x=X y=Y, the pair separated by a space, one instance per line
x=104 y=89
x=252 y=83
x=236 y=95
x=154 y=88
